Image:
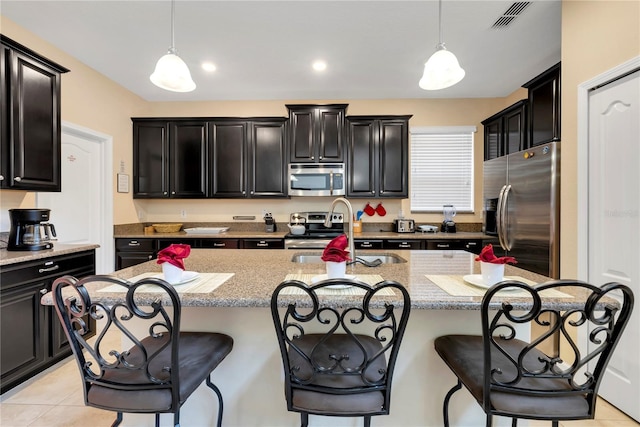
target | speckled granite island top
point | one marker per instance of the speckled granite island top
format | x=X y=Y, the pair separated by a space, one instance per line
x=256 y=273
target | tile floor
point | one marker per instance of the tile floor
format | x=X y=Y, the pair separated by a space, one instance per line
x=54 y=399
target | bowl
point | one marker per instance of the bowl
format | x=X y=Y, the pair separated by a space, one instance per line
x=167 y=228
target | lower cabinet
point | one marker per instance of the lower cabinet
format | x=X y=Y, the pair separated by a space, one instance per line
x=473 y=245
x=263 y=244
x=130 y=252
x=32 y=338
x=367 y=244
x=403 y=244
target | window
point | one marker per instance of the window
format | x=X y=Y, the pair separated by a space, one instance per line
x=442 y=168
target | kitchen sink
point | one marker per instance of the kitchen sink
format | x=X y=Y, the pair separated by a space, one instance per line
x=313 y=258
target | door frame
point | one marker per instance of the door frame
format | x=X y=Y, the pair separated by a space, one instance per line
x=583 y=157
x=105 y=254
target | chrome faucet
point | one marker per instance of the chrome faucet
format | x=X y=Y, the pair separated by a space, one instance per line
x=327 y=223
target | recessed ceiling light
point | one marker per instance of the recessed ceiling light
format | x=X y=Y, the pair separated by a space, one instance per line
x=319 y=65
x=208 y=66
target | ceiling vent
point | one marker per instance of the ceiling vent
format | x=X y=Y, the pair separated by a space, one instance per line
x=512 y=13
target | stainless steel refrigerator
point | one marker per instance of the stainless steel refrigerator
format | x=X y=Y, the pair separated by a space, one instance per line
x=522 y=207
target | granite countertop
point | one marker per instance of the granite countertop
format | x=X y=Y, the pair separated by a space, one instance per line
x=14 y=257
x=256 y=273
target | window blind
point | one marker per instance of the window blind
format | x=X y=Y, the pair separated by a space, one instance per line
x=442 y=168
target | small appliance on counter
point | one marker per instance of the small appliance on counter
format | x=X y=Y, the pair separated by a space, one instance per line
x=402 y=225
x=307 y=230
x=270 y=223
x=30 y=230
x=448 y=225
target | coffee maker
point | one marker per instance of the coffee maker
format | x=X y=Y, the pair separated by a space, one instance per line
x=448 y=225
x=30 y=230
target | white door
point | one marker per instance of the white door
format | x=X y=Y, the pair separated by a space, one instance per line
x=614 y=221
x=82 y=211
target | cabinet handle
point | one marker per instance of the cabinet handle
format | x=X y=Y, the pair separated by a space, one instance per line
x=150 y=256
x=173 y=192
x=313 y=157
x=164 y=192
x=320 y=157
x=17 y=178
x=366 y=245
x=404 y=245
x=219 y=245
x=442 y=245
x=1 y=177
x=262 y=244
x=251 y=191
x=134 y=243
x=45 y=270
x=43 y=291
x=373 y=191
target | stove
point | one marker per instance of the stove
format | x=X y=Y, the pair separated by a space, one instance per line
x=316 y=235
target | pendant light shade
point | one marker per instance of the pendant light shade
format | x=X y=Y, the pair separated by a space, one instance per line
x=442 y=69
x=171 y=72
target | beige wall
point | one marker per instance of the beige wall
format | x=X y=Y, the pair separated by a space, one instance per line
x=596 y=36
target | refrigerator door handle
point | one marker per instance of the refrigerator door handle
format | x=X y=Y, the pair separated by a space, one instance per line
x=503 y=233
x=499 y=215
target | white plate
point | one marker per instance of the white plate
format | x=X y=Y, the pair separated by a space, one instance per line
x=320 y=277
x=476 y=280
x=187 y=276
x=206 y=230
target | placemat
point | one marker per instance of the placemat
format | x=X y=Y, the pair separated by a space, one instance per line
x=457 y=287
x=369 y=279
x=203 y=284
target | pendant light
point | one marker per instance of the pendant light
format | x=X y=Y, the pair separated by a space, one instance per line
x=171 y=72
x=442 y=69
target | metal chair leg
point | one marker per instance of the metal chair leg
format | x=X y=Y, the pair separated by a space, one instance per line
x=445 y=405
x=514 y=422
x=118 y=420
x=554 y=423
x=157 y=420
x=489 y=422
x=213 y=387
x=367 y=421
x=304 y=419
x=176 y=418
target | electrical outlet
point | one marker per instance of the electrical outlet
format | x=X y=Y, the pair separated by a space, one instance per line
x=183 y=213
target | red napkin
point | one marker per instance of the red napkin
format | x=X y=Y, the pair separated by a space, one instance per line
x=487 y=255
x=335 y=250
x=174 y=254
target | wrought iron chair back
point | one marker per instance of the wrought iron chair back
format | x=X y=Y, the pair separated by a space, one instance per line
x=345 y=347
x=521 y=380
x=148 y=369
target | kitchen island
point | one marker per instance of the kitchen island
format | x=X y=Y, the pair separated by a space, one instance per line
x=251 y=377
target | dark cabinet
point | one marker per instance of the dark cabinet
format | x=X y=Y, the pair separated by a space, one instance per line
x=544 y=107
x=317 y=133
x=263 y=244
x=30 y=109
x=506 y=132
x=131 y=252
x=367 y=244
x=249 y=158
x=169 y=158
x=472 y=245
x=32 y=338
x=377 y=159
x=220 y=243
x=402 y=244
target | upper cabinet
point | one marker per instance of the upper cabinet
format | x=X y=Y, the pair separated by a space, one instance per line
x=30 y=119
x=528 y=122
x=209 y=157
x=544 y=107
x=317 y=133
x=506 y=132
x=378 y=150
x=169 y=158
x=249 y=157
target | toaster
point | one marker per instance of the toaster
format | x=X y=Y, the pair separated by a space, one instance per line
x=404 y=225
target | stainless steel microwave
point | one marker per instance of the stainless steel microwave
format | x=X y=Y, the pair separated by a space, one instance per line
x=316 y=179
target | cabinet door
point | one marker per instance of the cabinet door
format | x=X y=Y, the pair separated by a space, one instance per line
x=515 y=129
x=150 y=159
x=361 y=158
x=492 y=138
x=263 y=244
x=394 y=158
x=267 y=163
x=544 y=107
x=23 y=325
x=229 y=146
x=35 y=128
x=302 y=121
x=188 y=159
x=402 y=244
x=330 y=134
x=4 y=118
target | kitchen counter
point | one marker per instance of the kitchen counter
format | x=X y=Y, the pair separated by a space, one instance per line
x=14 y=257
x=250 y=378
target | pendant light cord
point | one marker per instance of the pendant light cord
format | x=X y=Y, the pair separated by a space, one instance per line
x=173 y=41
x=439 y=22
